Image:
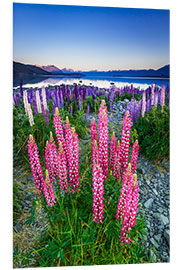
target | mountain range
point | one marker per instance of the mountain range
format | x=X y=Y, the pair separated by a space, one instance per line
x=22 y=69
x=161 y=72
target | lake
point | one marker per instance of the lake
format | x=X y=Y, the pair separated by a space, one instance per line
x=99 y=81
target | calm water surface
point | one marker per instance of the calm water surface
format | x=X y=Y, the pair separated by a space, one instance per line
x=102 y=82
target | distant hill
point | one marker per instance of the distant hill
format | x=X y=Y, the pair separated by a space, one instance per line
x=56 y=70
x=20 y=69
x=162 y=72
x=49 y=68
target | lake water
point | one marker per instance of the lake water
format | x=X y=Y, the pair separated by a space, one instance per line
x=102 y=82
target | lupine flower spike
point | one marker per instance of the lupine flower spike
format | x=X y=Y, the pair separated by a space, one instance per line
x=113 y=149
x=50 y=158
x=162 y=101
x=152 y=94
x=123 y=154
x=68 y=139
x=116 y=169
x=35 y=164
x=134 y=156
x=130 y=211
x=73 y=154
x=38 y=102
x=98 y=188
x=58 y=128
x=48 y=191
x=103 y=138
x=93 y=136
x=144 y=103
x=62 y=169
x=126 y=185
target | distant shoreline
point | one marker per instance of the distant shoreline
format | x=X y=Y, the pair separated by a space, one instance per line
x=76 y=75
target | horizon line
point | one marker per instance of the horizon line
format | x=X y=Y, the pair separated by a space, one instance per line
x=90 y=70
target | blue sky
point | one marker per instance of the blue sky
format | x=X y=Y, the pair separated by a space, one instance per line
x=88 y=38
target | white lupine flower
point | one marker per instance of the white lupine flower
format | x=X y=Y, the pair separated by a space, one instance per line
x=44 y=98
x=162 y=101
x=25 y=100
x=144 y=103
x=38 y=101
x=156 y=100
x=30 y=114
x=152 y=94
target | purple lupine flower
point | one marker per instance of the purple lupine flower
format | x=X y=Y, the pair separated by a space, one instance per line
x=73 y=99
x=80 y=103
x=62 y=99
x=21 y=89
x=43 y=111
x=54 y=108
x=68 y=97
x=111 y=99
x=47 y=117
x=14 y=99
x=18 y=99
x=40 y=95
x=71 y=110
x=35 y=106
x=55 y=98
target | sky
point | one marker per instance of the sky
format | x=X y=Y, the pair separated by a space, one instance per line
x=90 y=38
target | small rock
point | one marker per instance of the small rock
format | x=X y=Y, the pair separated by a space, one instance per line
x=154 y=243
x=164 y=220
x=158 y=237
x=148 y=203
x=166 y=235
x=155 y=191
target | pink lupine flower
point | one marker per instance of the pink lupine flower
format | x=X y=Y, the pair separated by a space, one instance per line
x=144 y=103
x=96 y=154
x=62 y=169
x=152 y=94
x=35 y=164
x=73 y=154
x=93 y=136
x=116 y=169
x=58 y=128
x=162 y=101
x=68 y=139
x=113 y=149
x=98 y=189
x=123 y=153
x=126 y=186
x=50 y=158
x=48 y=191
x=130 y=211
x=103 y=138
x=134 y=156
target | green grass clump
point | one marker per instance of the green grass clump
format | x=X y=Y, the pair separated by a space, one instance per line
x=153 y=133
